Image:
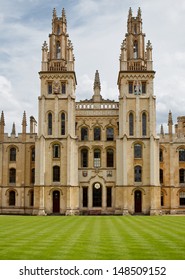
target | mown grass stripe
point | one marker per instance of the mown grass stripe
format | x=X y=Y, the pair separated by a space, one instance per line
x=106 y=237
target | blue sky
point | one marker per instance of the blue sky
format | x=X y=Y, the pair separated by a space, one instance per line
x=96 y=29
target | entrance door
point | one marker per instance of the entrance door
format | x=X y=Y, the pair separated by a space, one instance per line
x=138 y=201
x=56 y=202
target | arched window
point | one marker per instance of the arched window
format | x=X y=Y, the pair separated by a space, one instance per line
x=12 y=198
x=110 y=158
x=144 y=124
x=56 y=173
x=135 y=49
x=110 y=133
x=182 y=176
x=84 y=133
x=13 y=154
x=84 y=158
x=161 y=176
x=12 y=176
x=49 y=124
x=137 y=173
x=131 y=124
x=33 y=154
x=31 y=195
x=58 y=50
x=56 y=151
x=97 y=158
x=63 y=124
x=97 y=134
x=182 y=155
x=137 y=151
x=33 y=176
x=161 y=155
x=182 y=198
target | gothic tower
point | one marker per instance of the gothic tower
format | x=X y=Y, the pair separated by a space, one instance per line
x=56 y=148
x=137 y=146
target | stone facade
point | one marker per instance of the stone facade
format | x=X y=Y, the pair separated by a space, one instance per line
x=95 y=156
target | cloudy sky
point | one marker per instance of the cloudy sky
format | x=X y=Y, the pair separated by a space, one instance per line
x=96 y=29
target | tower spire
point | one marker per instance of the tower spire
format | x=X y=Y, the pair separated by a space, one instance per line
x=24 y=123
x=13 y=130
x=97 y=87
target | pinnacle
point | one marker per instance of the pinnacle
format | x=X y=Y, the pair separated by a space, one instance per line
x=97 y=80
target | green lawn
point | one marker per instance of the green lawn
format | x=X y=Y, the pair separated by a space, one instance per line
x=92 y=238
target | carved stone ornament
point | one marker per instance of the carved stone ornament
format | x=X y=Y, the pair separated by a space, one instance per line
x=56 y=87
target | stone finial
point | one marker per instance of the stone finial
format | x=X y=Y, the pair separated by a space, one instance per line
x=45 y=46
x=130 y=12
x=139 y=12
x=149 y=45
x=13 y=129
x=24 y=122
x=162 y=130
x=54 y=13
x=170 y=120
x=2 y=119
x=64 y=15
x=97 y=80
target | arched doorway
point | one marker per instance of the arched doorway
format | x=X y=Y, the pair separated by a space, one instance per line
x=97 y=195
x=138 y=201
x=56 y=202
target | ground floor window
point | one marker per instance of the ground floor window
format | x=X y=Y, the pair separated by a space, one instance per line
x=12 y=198
x=109 y=196
x=182 y=198
x=85 y=196
x=162 y=199
x=31 y=198
x=97 y=195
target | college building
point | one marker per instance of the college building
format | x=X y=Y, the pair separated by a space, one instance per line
x=95 y=156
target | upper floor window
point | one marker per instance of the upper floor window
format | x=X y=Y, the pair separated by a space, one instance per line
x=135 y=49
x=56 y=151
x=56 y=173
x=12 y=198
x=181 y=155
x=131 y=124
x=161 y=155
x=84 y=158
x=144 y=124
x=33 y=154
x=110 y=133
x=143 y=87
x=97 y=133
x=137 y=151
x=182 y=176
x=63 y=124
x=97 y=158
x=161 y=176
x=84 y=133
x=49 y=124
x=13 y=154
x=12 y=176
x=110 y=158
x=130 y=87
x=58 y=50
x=137 y=173
x=50 y=88
x=58 y=30
x=33 y=176
x=63 y=88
